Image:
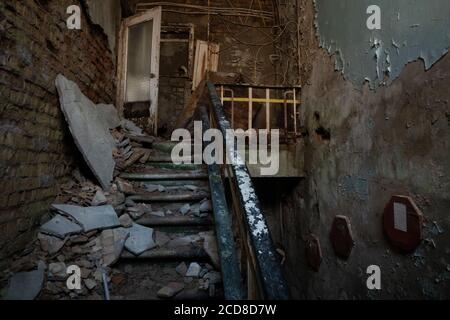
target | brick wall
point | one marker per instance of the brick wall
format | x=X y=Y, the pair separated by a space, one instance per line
x=36 y=149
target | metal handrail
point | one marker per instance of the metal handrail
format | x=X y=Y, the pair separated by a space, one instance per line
x=266 y=263
x=224 y=228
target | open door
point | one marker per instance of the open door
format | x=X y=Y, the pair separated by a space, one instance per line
x=206 y=59
x=138 y=68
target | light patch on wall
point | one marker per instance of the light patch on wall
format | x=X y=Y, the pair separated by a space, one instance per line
x=410 y=29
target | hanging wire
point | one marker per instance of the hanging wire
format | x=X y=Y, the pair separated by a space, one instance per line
x=280 y=26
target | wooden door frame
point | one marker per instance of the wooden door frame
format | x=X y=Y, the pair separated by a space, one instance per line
x=155 y=15
x=187 y=28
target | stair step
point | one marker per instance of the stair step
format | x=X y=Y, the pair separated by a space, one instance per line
x=171 y=184
x=141 y=139
x=180 y=253
x=143 y=188
x=195 y=175
x=160 y=158
x=170 y=165
x=166 y=147
x=173 y=207
x=171 y=221
x=161 y=197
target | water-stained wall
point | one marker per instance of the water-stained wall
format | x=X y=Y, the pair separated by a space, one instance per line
x=363 y=146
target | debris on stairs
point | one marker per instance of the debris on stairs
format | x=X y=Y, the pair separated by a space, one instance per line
x=152 y=236
x=138 y=218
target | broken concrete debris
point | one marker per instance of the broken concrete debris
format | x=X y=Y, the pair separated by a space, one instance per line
x=210 y=247
x=100 y=135
x=91 y=218
x=181 y=269
x=127 y=153
x=161 y=238
x=50 y=244
x=131 y=128
x=26 y=285
x=112 y=244
x=99 y=199
x=88 y=130
x=90 y=284
x=184 y=210
x=170 y=290
x=214 y=277
x=140 y=240
x=61 y=227
x=193 y=270
x=57 y=271
x=92 y=226
x=126 y=221
x=138 y=210
x=151 y=188
x=108 y=114
x=205 y=206
x=158 y=214
x=125 y=187
x=180 y=242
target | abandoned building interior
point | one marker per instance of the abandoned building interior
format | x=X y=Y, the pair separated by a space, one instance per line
x=93 y=207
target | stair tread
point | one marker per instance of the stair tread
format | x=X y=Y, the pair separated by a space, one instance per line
x=175 y=220
x=163 y=197
x=164 y=175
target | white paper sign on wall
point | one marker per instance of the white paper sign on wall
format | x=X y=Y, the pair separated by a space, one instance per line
x=400 y=217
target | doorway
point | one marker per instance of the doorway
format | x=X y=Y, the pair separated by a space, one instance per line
x=138 y=69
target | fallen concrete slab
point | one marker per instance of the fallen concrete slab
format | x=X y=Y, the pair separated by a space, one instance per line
x=61 y=227
x=108 y=113
x=88 y=130
x=140 y=240
x=91 y=218
x=26 y=285
x=113 y=242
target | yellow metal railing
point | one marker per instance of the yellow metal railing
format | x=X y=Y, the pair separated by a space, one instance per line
x=290 y=104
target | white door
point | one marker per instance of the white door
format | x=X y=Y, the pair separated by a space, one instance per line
x=138 y=63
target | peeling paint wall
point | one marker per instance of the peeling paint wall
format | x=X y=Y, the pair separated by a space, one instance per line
x=361 y=148
x=410 y=29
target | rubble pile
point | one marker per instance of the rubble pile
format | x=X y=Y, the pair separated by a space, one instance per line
x=90 y=228
x=91 y=225
x=128 y=152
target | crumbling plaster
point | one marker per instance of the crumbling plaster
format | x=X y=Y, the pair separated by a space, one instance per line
x=395 y=141
x=107 y=14
x=362 y=147
x=410 y=30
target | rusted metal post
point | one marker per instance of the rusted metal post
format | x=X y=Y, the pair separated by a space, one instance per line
x=295 y=111
x=250 y=108
x=268 y=109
